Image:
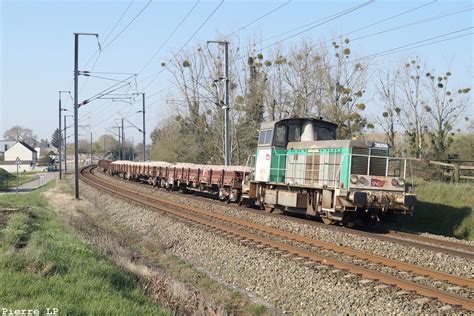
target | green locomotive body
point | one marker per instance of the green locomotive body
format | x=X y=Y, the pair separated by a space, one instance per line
x=301 y=167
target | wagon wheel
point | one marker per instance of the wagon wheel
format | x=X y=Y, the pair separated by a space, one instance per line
x=269 y=209
x=327 y=221
x=241 y=200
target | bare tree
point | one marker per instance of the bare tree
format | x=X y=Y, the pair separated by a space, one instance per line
x=345 y=86
x=412 y=114
x=388 y=91
x=444 y=108
x=20 y=133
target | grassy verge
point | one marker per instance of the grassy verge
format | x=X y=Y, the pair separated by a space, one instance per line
x=444 y=209
x=149 y=258
x=188 y=289
x=8 y=180
x=42 y=264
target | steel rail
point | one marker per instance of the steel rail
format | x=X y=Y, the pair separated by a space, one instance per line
x=430 y=240
x=367 y=273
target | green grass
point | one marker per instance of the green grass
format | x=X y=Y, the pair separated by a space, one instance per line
x=8 y=180
x=444 y=209
x=42 y=264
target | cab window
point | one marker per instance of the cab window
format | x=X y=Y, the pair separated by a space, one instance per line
x=280 y=136
x=294 y=133
x=268 y=137
x=265 y=137
x=323 y=133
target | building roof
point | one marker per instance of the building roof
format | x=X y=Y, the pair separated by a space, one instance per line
x=28 y=146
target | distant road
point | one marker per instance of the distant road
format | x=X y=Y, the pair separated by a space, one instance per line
x=44 y=178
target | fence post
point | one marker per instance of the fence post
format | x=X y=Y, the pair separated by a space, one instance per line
x=456 y=173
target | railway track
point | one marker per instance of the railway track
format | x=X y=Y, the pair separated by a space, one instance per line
x=459 y=248
x=447 y=247
x=283 y=241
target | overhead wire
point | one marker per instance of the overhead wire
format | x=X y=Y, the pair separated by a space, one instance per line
x=407 y=46
x=99 y=51
x=334 y=17
x=189 y=40
x=411 y=24
x=169 y=37
x=328 y=17
x=318 y=22
x=235 y=31
x=389 y=18
x=128 y=25
x=259 y=18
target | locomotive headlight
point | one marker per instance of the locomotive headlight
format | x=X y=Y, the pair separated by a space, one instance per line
x=354 y=179
x=401 y=182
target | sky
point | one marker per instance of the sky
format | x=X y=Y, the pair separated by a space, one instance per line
x=37 y=49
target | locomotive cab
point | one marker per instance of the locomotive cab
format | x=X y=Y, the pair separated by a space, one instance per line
x=275 y=138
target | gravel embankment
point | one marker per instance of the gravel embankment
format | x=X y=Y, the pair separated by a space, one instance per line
x=290 y=284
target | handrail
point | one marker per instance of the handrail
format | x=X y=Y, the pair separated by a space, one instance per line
x=277 y=170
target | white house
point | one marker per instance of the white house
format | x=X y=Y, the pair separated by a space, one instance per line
x=22 y=150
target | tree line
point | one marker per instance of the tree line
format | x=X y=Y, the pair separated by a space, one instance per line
x=417 y=108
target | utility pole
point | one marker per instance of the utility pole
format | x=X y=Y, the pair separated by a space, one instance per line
x=65 y=147
x=91 y=148
x=120 y=142
x=76 y=108
x=226 y=102
x=60 y=134
x=76 y=118
x=133 y=149
x=122 y=155
x=143 y=128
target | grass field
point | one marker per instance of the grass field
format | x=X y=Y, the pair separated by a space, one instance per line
x=444 y=209
x=44 y=265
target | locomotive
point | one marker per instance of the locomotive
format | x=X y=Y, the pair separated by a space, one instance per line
x=299 y=167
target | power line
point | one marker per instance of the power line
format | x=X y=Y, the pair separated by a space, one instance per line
x=399 y=49
x=110 y=73
x=325 y=20
x=407 y=46
x=99 y=51
x=189 y=40
x=103 y=78
x=389 y=18
x=334 y=17
x=169 y=37
x=259 y=18
x=411 y=24
x=235 y=31
x=200 y=27
x=118 y=35
x=110 y=33
x=319 y=22
x=127 y=26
